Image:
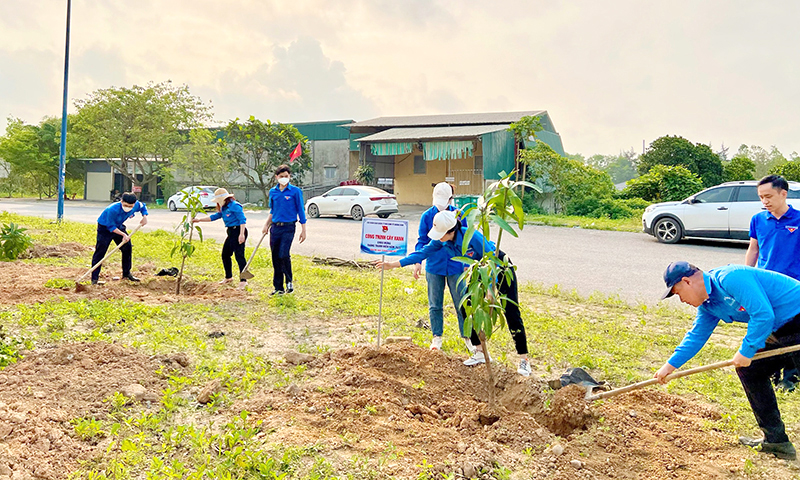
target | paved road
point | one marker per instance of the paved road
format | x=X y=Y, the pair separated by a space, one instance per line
x=628 y=264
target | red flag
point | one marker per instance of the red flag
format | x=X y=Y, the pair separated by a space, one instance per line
x=296 y=153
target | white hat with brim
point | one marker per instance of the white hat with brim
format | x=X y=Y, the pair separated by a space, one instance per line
x=443 y=222
x=220 y=195
x=442 y=192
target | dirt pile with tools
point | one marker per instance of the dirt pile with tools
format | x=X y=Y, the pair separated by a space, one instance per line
x=26 y=283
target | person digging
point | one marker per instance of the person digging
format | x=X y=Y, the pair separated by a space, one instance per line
x=769 y=303
x=111 y=227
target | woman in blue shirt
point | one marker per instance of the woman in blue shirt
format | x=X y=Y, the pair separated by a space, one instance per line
x=232 y=213
x=447 y=236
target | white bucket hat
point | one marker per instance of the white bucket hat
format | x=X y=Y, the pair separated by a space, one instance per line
x=443 y=222
x=220 y=195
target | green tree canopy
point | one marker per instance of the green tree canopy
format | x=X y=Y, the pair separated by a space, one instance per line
x=764 y=160
x=203 y=160
x=137 y=128
x=739 y=168
x=677 y=151
x=789 y=170
x=256 y=149
x=620 y=167
x=664 y=184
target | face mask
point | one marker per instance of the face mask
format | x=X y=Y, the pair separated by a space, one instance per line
x=284 y=181
x=127 y=209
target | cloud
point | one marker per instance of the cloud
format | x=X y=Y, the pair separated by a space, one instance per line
x=29 y=79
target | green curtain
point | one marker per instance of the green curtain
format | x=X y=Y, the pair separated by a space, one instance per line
x=447 y=150
x=398 y=148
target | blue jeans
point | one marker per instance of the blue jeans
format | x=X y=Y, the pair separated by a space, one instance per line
x=436 y=300
x=280 y=242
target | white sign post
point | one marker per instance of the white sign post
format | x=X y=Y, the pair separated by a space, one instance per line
x=384 y=237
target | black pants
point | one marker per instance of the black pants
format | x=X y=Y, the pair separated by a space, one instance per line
x=104 y=239
x=758 y=387
x=280 y=242
x=513 y=314
x=233 y=247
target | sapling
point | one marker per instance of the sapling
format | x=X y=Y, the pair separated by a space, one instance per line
x=186 y=230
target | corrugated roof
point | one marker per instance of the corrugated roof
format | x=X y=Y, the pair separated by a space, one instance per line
x=430 y=133
x=452 y=119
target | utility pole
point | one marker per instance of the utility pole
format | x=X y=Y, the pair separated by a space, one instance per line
x=62 y=157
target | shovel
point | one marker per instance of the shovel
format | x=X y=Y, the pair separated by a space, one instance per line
x=245 y=274
x=78 y=286
x=691 y=371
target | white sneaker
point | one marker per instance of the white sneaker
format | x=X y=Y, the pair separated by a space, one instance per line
x=470 y=347
x=524 y=368
x=436 y=343
x=476 y=359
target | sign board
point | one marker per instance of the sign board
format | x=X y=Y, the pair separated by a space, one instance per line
x=384 y=237
x=463 y=182
x=449 y=179
x=137 y=189
x=385 y=181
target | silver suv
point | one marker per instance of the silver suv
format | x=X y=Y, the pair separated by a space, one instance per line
x=723 y=211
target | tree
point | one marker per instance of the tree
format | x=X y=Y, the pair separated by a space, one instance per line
x=664 y=184
x=739 y=168
x=674 y=151
x=524 y=129
x=138 y=130
x=186 y=230
x=570 y=180
x=32 y=151
x=203 y=159
x=789 y=170
x=763 y=159
x=256 y=149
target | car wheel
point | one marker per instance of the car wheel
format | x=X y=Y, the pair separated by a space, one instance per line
x=668 y=230
x=384 y=215
x=172 y=207
x=357 y=213
x=313 y=211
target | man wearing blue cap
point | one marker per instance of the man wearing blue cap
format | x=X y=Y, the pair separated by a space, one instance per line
x=769 y=303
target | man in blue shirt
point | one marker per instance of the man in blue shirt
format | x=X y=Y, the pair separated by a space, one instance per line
x=111 y=227
x=769 y=303
x=286 y=207
x=775 y=242
x=440 y=270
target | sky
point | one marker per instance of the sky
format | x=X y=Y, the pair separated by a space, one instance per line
x=611 y=74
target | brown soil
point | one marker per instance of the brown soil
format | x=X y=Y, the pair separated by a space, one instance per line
x=25 y=283
x=62 y=250
x=41 y=394
x=369 y=401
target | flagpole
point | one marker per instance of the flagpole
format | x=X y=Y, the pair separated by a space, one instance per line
x=62 y=155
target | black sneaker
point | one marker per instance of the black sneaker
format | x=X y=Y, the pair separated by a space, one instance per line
x=129 y=277
x=94 y=281
x=783 y=450
x=289 y=287
x=276 y=292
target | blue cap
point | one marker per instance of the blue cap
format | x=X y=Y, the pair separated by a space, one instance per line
x=674 y=273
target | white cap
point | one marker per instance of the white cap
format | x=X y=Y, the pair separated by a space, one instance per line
x=442 y=193
x=442 y=223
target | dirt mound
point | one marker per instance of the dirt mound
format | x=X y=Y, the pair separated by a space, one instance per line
x=401 y=404
x=62 y=250
x=26 y=283
x=46 y=390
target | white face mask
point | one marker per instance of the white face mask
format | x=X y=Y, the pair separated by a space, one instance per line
x=127 y=209
x=283 y=181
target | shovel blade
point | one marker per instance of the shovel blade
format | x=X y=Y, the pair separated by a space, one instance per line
x=246 y=275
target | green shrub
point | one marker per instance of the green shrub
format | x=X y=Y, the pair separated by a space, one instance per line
x=663 y=184
x=790 y=171
x=612 y=208
x=531 y=206
x=13 y=241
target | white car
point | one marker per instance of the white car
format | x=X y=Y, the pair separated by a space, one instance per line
x=353 y=200
x=206 y=196
x=723 y=212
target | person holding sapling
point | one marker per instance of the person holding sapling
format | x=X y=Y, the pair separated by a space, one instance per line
x=286 y=207
x=447 y=234
x=232 y=214
x=111 y=227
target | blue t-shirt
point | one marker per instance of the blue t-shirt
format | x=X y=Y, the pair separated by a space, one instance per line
x=113 y=217
x=478 y=245
x=778 y=241
x=232 y=214
x=286 y=205
x=762 y=299
x=438 y=263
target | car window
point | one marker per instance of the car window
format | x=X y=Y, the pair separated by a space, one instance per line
x=335 y=192
x=208 y=190
x=350 y=192
x=715 y=195
x=374 y=191
x=748 y=194
x=793 y=194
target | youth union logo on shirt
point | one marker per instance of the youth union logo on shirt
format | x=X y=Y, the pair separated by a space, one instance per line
x=287 y=197
x=791 y=229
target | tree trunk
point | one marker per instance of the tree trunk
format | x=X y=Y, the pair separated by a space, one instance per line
x=183 y=262
x=489 y=373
